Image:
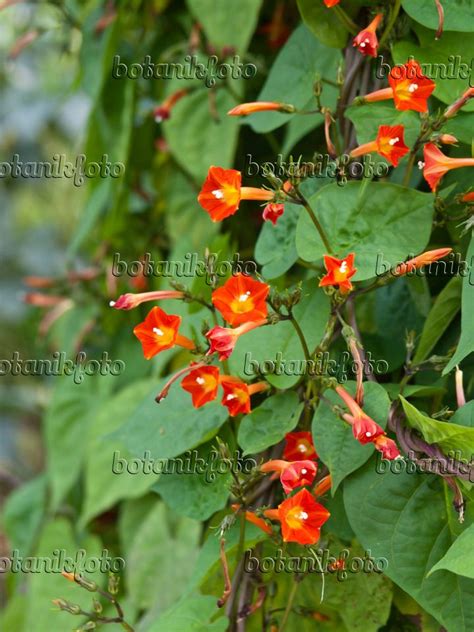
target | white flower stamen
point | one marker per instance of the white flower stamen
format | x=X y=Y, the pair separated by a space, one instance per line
x=200 y=380
x=217 y=193
x=244 y=297
x=343 y=267
x=301 y=447
x=157 y=331
x=421 y=164
x=302 y=515
x=413 y=87
x=304 y=471
x=111 y=303
x=393 y=141
x=368 y=434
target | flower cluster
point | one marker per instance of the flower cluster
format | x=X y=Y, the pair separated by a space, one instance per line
x=365 y=429
x=300 y=515
x=410 y=90
x=241 y=302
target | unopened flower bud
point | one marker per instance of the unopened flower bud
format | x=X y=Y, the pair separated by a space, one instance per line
x=113 y=586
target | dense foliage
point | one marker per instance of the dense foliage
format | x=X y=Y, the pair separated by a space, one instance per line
x=281 y=271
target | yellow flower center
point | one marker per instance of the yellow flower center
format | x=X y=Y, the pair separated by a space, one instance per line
x=296 y=517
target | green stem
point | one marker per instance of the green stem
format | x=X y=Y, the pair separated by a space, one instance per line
x=289 y=605
x=300 y=333
x=315 y=221
x=342 y=16
x=409 y=169
x=391 y=22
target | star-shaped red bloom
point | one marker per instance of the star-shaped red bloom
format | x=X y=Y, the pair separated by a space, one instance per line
x=236 y=396
x=411 y=89
x=301 y=518
x=159 y=331
x=339 y=272
x=220 y=193
x=241 y=299
x=391 y=144
x=202 y=383
x=299 y=445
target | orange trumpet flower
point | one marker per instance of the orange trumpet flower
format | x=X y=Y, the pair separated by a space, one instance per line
x=224 y=339
x=244 y=109
x=159 y=331
x=129 y=301
x=422 y=260
x=222 y=192
x=301 y=518
x=241 y=299
x=366 y=41
x=237 y=394
x=339 y=272
x=409 y=88
x=436 y=164
x=202 y=383
x=299 y=445
x=389 y=143
x=293 y=474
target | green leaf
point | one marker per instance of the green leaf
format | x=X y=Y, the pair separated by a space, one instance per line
x=409 y=520
x=66 y=426
x=464 y=416
x=466 y=342
x=275 y=249
x=278 y=346
x=349 y=597
x=442 y=313
x=96 y=53
x=170 y=428
x=461 y=126
x=300 y=62
x=393 y=311
x=196 y=494
x=23 y=513
x=268 y=424
x=414 y=390
x=109 y=134
x=45 y=586
x=450 y=437
x=380 y=222
x=196 y=140
x=229 y=24
x=459 y=558
x=106 y=477
x=333 y=438
x=193 y=613
x=160 y=559
x=457 y=14
x=12 y=616
x=324 y=23
x=94 y=208
x=439 y=53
